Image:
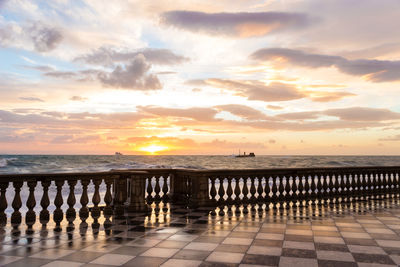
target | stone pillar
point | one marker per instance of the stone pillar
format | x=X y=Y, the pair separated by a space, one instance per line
x=136 y=201
x=200 y=192
x=120 y=189
x=178 y=187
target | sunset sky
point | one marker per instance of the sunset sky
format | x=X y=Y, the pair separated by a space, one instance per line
x=200 y=77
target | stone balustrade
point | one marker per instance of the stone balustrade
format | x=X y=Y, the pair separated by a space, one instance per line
x=135 y=190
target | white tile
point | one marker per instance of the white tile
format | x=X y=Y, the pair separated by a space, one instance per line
x=246 y=229
x=270 y=236
x=379 y=231
x=181 y=263
x=237 y=241
x=388 y=243
x=113 y=259
x=299 y=232
x=366 y=249
x=187 y=238
x=356 y=235
x=160 y=252
x=334 y=255
x=63 y=264
x=226 y=257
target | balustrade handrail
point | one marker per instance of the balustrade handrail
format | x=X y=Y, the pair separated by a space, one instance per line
x=235 y=172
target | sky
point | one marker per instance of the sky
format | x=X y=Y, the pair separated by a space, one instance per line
x=280 y=77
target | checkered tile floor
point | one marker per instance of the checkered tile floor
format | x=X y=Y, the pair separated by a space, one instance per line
x=352 y=234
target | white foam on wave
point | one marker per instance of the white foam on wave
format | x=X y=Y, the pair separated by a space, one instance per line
x=4 y=161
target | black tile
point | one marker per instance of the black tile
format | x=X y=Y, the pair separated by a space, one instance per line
x=392 y=251
x=130 y=250
x=299 y=238
x=331 y=247
x=327 y=263
x=145 y=261
x=360 y=241
x=372 y=258
x=261 y=260
x=217 y=264
x=23 y=251
x=268 y=243
x=82 y=256
x=232 y=248
x=31 y=262
x=189 y=254
x=298 y=253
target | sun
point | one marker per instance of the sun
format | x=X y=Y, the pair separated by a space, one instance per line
x=153 y=149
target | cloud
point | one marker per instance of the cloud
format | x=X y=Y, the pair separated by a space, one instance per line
x=354 y=114
x=32 y=99
x=363 y=114
x=391 y=138
x=41 y=68
x=45 y=38
x=255 y=90
x=195 y=113
x=274 y=107
x=78 y=98
x=241 y=25
x=243 y=111
x=107 y=56
x=133 y=75
x=274 y=91
x=373 y=70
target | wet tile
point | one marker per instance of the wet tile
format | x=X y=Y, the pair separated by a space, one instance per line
x=144 y=242
x=8 y=259
x=226 y=257
x=52 y=254
x=130 y=250
x=201 y=246
x=269 y=243
x=191 y=254
x=99 y=247
x=366 y=249
x=372 y=258
x=181 y=263
x=299 y=238
x=186 y=238
x=237 y=241
x=31 y=262
x=298 y=262
x=331 y=247
x=270 y=236
x=145 y=261
x=272 y=251
x=160 y=252
x=299 y=245
x=261 y=260
x=388 y=243
x=331 y=263
x=113 y=259
x=82 y=256
x=328 y=239
x=171 y=244
x=334 y=255
x=361 y=242
x=299 y=253
x=232 y=248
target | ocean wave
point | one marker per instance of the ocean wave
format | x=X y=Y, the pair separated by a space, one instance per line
x=6 y=161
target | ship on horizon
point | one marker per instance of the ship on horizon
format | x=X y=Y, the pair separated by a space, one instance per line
x=244 y=155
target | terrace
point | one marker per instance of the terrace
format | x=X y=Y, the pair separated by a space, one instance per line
x=180 y=217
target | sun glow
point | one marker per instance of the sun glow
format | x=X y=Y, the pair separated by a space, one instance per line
x=153 y=149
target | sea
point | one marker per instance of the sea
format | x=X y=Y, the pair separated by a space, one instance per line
x=92 y=163
x=17 y=164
